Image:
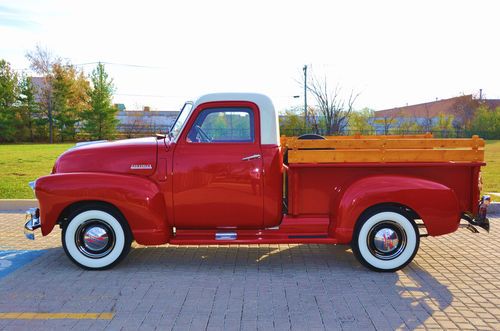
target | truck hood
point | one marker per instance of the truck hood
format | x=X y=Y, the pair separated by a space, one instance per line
x=133 y=156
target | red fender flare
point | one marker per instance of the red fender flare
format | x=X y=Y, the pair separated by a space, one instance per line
x=137 y=198
x=435 y=203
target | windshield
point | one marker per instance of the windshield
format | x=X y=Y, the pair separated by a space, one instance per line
x=181 y=119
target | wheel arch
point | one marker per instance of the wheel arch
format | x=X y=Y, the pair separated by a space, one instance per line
x=405 y=210
x=62 y=220
x=434 y=203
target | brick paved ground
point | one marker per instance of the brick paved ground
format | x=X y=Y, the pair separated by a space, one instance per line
x=453 y=283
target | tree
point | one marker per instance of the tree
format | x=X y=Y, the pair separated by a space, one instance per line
x=28 y=107
x=334 y=109
x=63 y=116
x=100 y=119
x=292 y=122
x=487 y=122
x=444 y=125
x=42 y=62
x=69 y=98
x=9 y=94
x=407 y=126
x=464 y=109
x=361 y=121
x=428 y=119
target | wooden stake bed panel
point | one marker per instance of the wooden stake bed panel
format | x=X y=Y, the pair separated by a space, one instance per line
x=384 y=149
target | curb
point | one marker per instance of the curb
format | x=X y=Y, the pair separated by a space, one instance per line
x=494 y=208
x=17 y=205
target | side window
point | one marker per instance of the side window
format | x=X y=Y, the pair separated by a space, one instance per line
x=222 y=125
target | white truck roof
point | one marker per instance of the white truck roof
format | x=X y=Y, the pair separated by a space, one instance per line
x=269 y=127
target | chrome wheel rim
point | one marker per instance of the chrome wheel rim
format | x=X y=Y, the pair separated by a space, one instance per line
x=95 y=238
x=386 y=240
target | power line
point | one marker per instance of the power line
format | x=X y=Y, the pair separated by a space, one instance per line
x=119 y=64
x=149 y=95
x=106 y=63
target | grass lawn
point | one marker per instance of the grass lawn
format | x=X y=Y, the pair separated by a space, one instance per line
x=491 y=173
x=22 y=163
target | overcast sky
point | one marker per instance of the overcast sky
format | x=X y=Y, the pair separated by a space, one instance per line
x=391 y=52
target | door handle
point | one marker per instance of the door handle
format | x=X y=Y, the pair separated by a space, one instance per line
x=251 y=157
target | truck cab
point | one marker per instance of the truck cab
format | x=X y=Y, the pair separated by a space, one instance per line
x=223 y=150
x=219 y=177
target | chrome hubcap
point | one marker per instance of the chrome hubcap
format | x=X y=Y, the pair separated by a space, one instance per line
x=386 y=240
x=95 y=238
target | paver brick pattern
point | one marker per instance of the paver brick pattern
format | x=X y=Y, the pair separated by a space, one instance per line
x=453 y=283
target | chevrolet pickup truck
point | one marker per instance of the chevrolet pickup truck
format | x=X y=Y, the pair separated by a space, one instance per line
x=223 y=175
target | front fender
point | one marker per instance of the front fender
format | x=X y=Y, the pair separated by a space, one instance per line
x=138 y=199
x=435 y=203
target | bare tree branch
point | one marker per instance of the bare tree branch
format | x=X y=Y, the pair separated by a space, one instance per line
x=334 y=109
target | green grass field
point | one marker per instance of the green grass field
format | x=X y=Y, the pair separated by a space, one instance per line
x=20 y=164
x=491 y=173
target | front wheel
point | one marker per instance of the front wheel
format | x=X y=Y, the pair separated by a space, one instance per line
x=96 y=238
x=385 y=239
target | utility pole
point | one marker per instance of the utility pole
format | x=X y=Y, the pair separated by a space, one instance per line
x=305 y=94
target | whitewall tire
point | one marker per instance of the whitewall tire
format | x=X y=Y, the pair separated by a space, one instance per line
x=385 y=239
x=96 y=237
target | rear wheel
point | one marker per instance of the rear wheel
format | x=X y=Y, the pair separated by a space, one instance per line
x=96 y=237
x=385 y=239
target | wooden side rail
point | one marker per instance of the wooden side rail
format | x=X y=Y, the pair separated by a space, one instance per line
x=384 y=149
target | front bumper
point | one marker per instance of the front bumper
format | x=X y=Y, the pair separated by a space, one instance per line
x=33 y=223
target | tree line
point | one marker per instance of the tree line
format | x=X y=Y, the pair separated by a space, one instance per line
x=59 y=104
x=334 y=114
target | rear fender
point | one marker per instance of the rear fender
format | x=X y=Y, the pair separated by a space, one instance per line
x=137 y=198
x=435 y=203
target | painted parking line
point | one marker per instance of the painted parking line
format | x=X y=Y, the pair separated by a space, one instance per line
x=12 y=260
x=56 y=316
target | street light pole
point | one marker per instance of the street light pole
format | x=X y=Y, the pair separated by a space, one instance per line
x=305 y=94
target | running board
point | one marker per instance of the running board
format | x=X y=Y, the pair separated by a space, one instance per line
x=193 y=237
x=292 y=230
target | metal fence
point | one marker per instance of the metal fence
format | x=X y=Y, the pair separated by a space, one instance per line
x=436 y=133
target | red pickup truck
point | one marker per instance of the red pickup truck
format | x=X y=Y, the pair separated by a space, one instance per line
x=223 y=175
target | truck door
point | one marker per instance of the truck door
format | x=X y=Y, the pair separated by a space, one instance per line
x=217 y=181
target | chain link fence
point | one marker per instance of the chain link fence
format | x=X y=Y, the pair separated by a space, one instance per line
x=291 y=132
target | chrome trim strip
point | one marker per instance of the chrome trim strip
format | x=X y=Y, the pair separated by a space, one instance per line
x=85 y=143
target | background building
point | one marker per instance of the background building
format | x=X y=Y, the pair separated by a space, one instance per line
x=459 y=110
x=144 y=122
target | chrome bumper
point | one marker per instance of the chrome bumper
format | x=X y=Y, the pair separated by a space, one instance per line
x=482 y=222
x=33 y=223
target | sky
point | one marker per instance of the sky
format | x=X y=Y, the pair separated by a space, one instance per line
x=161 y=53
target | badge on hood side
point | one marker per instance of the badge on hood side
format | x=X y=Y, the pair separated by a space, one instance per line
x=141 y=167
